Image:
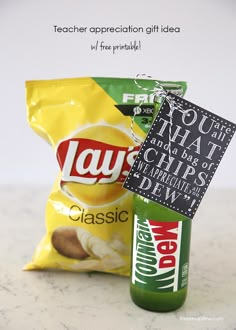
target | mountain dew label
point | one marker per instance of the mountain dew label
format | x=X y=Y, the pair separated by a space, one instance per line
x=160 y=254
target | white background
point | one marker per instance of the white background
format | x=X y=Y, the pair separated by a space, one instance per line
x=203 y=54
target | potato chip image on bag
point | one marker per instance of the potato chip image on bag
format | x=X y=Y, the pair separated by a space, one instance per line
x=90 y=124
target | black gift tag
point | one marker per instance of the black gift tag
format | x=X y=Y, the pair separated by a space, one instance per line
x=180 y=155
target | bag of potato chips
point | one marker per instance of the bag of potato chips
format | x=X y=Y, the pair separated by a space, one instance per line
x=90 y=124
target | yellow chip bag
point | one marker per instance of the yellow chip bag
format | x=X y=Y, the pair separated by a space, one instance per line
x=90 y=124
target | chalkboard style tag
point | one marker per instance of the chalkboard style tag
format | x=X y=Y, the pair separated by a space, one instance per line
x=180 y=155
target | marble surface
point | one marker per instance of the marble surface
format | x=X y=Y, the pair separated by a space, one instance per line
x=48 y=300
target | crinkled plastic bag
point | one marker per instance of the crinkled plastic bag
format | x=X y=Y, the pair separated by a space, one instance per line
x=89 y=124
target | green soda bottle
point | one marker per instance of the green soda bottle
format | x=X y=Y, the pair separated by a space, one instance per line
x=160 y=255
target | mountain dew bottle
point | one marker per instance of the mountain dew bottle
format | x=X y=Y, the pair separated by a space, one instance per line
x=160 y=256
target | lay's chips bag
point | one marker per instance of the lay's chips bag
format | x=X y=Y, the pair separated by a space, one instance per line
x=90 y=124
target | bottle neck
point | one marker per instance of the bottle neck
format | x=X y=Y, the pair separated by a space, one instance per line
x=156 y=211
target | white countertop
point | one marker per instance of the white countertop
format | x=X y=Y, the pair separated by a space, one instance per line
x=48 y=300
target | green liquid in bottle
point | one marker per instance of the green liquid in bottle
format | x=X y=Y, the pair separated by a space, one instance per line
x=160 y=256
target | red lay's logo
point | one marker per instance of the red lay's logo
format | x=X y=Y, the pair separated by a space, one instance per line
x=89 y=161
